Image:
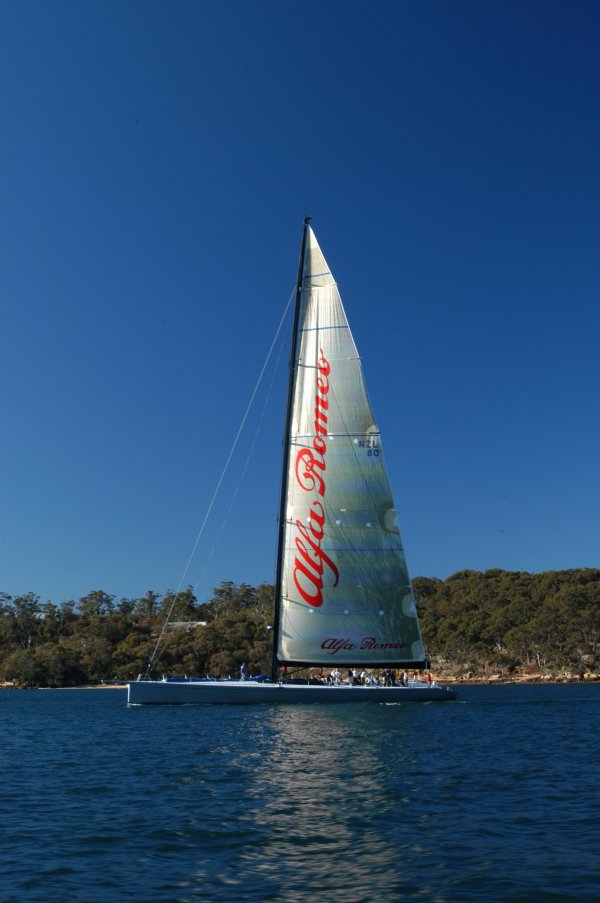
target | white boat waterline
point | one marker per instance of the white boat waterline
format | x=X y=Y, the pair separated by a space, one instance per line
x=343 y=596
x=208 y=692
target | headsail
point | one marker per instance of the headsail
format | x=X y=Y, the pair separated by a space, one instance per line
x=345 y=595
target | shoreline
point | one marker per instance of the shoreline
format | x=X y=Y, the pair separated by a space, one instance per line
x=441 y=680
x=119 y=686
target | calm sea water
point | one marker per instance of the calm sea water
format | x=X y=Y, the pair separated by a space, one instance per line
x=492 y=797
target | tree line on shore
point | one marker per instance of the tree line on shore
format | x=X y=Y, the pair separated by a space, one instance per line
x=497 y=620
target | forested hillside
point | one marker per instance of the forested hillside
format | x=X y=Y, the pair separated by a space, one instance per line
x=497 y=622
x=501 y=620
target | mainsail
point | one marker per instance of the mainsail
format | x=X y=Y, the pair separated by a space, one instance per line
x=344 y=594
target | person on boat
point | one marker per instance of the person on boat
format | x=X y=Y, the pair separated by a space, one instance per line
x=428 y=677
x=404 y=679
x=243 y=671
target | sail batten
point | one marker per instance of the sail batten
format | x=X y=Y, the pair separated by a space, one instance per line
x=344 y=592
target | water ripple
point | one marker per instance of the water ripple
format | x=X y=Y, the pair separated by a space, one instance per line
x=493 y=798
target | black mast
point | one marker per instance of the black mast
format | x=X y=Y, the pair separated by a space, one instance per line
x=286 y=451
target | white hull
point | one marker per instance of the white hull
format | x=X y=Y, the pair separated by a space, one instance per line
x=208 y=692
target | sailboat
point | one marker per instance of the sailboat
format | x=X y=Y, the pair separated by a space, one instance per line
x=343 y=597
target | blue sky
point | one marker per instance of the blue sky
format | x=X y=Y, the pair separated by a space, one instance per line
x=157 y=160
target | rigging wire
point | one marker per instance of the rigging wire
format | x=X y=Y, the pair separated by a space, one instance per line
x=146 y=673
x=243 y=472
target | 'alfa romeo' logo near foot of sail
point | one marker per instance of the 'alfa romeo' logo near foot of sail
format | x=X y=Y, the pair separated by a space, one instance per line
x=310 y=469
x=333 y=645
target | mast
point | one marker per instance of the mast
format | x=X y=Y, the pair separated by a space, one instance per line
x=286 y=451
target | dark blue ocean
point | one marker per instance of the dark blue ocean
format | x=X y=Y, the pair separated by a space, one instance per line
x=492 y=797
